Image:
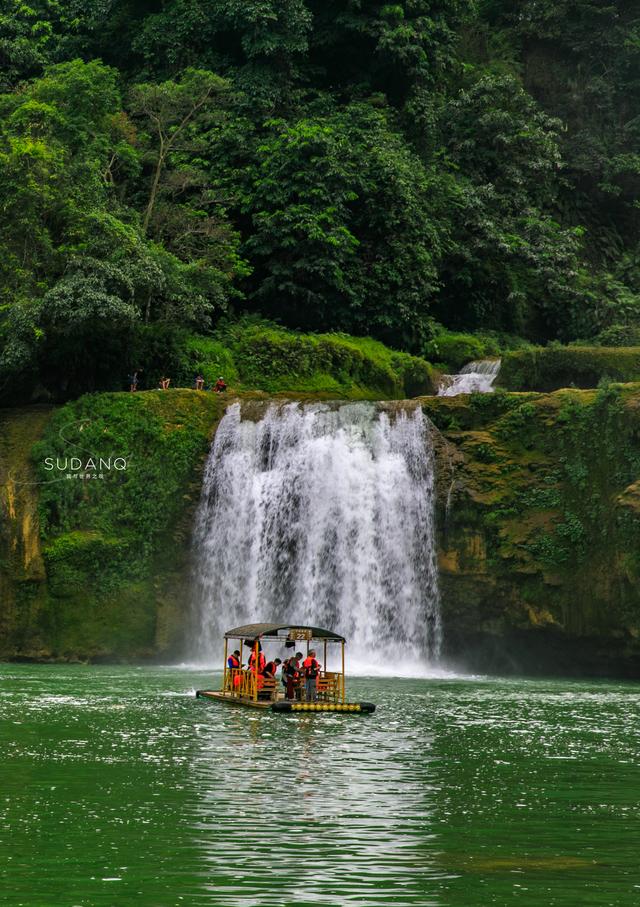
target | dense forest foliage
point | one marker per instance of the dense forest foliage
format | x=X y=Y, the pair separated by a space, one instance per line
x=383 y=169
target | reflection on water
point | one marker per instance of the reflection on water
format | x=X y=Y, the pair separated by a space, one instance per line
x=117 y=787
x=334 y=807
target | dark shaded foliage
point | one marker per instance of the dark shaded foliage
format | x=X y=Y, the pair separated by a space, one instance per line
x=364 y=167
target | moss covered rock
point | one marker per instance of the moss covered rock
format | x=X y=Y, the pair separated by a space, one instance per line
x=453 y=350
x=22 y=569
x=540 y=529
x=278 y=361
x=113 y=542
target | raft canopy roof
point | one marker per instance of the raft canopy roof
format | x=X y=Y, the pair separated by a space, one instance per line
x=273 y=631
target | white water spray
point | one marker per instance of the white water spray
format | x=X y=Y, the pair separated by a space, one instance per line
x=475 y=378
x=322 y=515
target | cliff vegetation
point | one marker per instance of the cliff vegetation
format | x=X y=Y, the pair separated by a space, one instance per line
x=540 y=528
x=96 y=555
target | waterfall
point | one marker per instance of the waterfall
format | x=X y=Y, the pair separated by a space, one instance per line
x=475 y=378
x=322 y=515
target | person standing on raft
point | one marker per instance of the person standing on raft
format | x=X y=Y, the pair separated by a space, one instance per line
x=290 y=676
x=299 y=674
x=261 y=660
x=311 y=669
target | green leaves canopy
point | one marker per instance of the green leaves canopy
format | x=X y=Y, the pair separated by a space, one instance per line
x=330 y=163
x=344 y=225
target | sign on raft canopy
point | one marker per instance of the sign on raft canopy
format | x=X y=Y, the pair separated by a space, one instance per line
x=256 y=631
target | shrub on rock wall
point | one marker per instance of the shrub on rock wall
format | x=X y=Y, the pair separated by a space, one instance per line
x=553 y=367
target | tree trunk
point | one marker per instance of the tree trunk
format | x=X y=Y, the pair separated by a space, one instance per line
x=154 y=187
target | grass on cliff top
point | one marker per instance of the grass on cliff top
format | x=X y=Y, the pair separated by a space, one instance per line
x=256 y=355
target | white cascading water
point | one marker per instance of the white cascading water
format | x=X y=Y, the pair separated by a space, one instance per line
x=322 y=515
x=475 y=378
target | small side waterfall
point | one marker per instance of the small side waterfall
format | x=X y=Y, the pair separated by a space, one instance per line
x=475 y=378
x=322 y=515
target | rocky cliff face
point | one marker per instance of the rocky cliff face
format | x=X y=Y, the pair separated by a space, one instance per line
x=538 y=515
x=22 y=572
x=94 y=560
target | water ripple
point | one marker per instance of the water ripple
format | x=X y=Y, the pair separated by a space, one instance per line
x=118 y=787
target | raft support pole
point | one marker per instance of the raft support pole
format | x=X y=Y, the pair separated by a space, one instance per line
x=255 y=669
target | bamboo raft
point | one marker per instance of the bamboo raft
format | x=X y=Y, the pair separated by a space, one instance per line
x=247 y=687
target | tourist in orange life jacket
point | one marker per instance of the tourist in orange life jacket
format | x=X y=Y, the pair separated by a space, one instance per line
x=290 y=676
x=233 y=663
x=297 y=660
x=311 y=669
x=261 y=661
x=271 y=667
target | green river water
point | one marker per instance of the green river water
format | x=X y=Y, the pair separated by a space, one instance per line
x=118 y=787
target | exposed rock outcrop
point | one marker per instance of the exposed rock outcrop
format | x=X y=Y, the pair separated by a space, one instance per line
x=539 y=509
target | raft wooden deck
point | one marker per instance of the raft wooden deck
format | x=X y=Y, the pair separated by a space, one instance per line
x=285 y=705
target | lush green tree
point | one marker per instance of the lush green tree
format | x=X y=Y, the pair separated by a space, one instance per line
x=62 y=140
x=277 y=50
x=348 y=165
x=511 y=264
x=170 y=112
x=179 y=121
x=75 y=263
x=40 y=33
x=56 y=139
x=264 y=37
x=345 y=226
x=31 y=36
x=581 y=61
x=394 y=48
